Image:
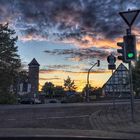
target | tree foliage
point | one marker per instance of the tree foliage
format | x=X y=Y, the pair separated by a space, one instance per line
x=48 y=88
x=69 y=84
x=9 y=58
x=59 y=91
x=53 y=91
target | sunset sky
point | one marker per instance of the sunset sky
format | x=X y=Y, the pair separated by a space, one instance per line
x=67 y=36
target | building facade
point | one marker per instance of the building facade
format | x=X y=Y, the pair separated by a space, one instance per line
x=118 y=84
x=28 y=82
x=34 y=76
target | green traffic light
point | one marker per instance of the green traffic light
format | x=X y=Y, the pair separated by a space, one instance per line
x=130 y=55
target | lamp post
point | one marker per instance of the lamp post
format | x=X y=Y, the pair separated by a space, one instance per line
x=87 y=87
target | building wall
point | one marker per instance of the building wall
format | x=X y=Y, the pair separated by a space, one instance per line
x=34 y=78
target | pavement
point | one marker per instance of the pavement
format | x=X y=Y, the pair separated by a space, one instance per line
x=117 y=119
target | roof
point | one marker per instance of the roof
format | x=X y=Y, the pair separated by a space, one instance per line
x=34 y=62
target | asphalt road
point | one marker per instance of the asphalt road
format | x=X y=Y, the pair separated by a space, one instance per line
x=58 y=116
x=59 y=105
x=57 y=119
x=46 y=116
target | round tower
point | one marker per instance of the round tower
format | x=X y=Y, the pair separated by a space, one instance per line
x=34 y=76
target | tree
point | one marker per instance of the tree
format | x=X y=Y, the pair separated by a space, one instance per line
x=69 y=84
x=9 y=59
x=59 y=91
x=136 y=77
x=48 y=88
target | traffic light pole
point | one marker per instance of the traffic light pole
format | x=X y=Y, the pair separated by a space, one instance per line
x=131 y=92
x=131 y=83
x=129 y=17
x=113 y=93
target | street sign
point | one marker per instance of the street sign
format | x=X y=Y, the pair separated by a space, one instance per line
x=129 y=16
x=112 y=67
x=111 y=59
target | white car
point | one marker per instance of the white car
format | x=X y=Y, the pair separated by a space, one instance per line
x=37 y=101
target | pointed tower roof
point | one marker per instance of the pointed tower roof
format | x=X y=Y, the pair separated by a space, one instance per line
x=34 y=63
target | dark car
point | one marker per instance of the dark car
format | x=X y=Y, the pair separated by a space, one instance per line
x=64 y=101
x=53 y=101
x=27 y=101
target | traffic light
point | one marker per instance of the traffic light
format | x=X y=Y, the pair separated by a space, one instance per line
x=98 y=63
x=121 y=51
x=130 y=47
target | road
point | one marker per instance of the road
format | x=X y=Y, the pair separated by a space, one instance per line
x=61 y=116
x=46 y=116
x=57 y=105
x=91 y=119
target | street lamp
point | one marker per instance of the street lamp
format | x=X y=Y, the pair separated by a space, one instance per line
x=87 y=87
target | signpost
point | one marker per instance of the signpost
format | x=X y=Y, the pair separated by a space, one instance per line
x=129 y=18
x=111 y=66
x=111 y=60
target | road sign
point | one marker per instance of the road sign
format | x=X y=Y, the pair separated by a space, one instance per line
x=111 y=59
x=112 y=67
x=129 y=16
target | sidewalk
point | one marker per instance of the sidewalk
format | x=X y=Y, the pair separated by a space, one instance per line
x=117 y=120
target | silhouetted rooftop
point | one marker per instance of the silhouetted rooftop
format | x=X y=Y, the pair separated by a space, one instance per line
x=34 y=62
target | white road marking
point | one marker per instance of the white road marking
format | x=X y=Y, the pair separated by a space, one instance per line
x=11 y=119
x=41 y=118
x=64 y=117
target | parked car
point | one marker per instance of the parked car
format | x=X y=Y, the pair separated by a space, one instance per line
x=64 y=101
x=53 y=101
x=30 y=101
x=27 y=101
x=37 y=101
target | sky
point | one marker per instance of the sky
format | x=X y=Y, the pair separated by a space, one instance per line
x=68 y=36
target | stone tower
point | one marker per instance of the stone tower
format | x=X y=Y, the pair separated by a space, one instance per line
x=34 y=76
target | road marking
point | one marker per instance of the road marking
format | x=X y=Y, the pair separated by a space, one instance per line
x=64 y=117
x=70 y=117
x=11 y=119
x=41 y=118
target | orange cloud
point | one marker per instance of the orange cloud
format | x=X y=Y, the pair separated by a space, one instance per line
x=97 y=79
x=88 y=41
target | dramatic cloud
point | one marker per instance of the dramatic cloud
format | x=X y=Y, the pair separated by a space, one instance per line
x=60 y=67
x=85 y=71
x=81 y=54
x=66 y=20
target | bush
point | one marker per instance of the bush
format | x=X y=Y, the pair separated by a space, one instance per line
x=8 y=98
x=74 y=99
